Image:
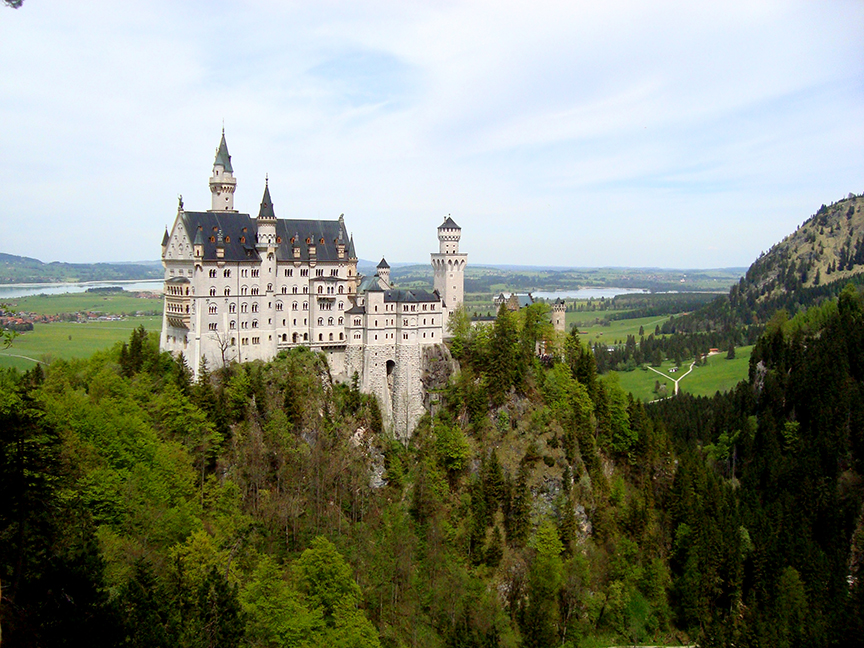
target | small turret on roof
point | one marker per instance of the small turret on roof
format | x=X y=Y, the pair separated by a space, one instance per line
x=266 y=210
x=222 y=156
x=351 y=253
x=165 y=237
x=199 y=238
x=383 y=263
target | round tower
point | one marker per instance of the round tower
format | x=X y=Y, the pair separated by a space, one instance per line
x=222 y=182
x=449 y=266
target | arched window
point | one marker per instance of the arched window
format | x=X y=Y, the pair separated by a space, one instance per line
x=341 y=289
x=320 y=337
x=279 y=306
x=227 y=292
x=329 y=321
x=212 y=308
x=331 y=337
x=269 y=287
x=284 y=290
x=244 y=307
x=226 y=273
x=254 y=308
x=212 y=291
x=320 y=289
x=294 y=306
x=341 y=305
x=232 y=325
x=213 y=272
x=244 y=290
x=341 y=321
x=254 y=323
x=320 y=321
x=232 y=308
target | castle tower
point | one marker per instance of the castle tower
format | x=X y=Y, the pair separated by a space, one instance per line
x=449 y=267
x=559 y=309
x=266 y=220
x=222 y=182
x=384 y=273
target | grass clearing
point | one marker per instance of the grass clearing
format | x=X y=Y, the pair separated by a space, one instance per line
x=70 y=340
x=111 y=304
x=719 y=374
x=617 y=329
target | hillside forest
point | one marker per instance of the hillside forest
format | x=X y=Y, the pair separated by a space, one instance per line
x=536 y=505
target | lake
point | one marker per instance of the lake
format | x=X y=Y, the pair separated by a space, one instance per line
x=11 y=291
x=588 y=293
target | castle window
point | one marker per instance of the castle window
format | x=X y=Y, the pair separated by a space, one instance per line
x=278 y=239
x=433 y=334
x=404 y=336
x=244 y=272
x=334 y=272
x=305 y=337
x=244 y=307
x=305 y=290
x=232 y=308
x=341 y=305
x=212 y=291
x=269 y=287
x=213 y=273
x=289 y=272
x=321 y=241
x=341 y=321
x=232 y=325
x=227 y=239
x=331 y=337
x=244 y=325
x=242 y=239
x=284 y=290
x=212 y=239
x=244 y=290
x=213 y=309
x=255 y=308
x=254 y=323
x=329 y=321
x=254 y=273
x=424 y=321
x=304 y=272
x=320 y=321
x=319 y=272
x=320 y=289
x=356 y=321
x=294 y=307
x=320 y=337
x=226 y=273
x=278 y=306
x=376 y=337
x=341 y=336
x=212 y=326
x=233 y=341
x=376 y=323
x=227 y=292
x=254 y=290
x=256 y=340
x=305 y=306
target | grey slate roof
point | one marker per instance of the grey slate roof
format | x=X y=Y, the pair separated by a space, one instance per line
x=397 y=295
x=222 y=156
x=449 y=223
x=370 y=284
x=165 y=238
x=236 y=226
x=383 y=263
x=356 y=310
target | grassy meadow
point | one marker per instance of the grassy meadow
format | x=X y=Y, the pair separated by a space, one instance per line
x=47 y=342
x=109 y=304
x=719 y=374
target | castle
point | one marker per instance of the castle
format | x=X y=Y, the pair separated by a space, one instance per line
x=239 y=288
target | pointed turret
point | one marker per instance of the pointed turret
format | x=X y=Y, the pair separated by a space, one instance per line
x=266 y=219
x=351 y=253
x=198 y=245
x=384 y=273
x=165 y=238
x=222 y=182
x=266 y=209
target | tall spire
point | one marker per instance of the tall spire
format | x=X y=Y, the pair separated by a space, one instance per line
x=222 y=182
x=266 y=210
x=222 y=156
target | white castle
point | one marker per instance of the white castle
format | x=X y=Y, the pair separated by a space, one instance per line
x=239 y=288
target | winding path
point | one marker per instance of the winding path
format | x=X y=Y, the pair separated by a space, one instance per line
x=23 y=357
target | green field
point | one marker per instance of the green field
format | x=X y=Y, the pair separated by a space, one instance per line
x=70 y=340
x=617 y=329
x=113 y=304
x=719 y=374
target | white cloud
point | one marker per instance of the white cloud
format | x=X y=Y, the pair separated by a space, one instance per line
x=619 y=133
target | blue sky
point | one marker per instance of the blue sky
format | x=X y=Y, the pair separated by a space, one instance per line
x=673 y=134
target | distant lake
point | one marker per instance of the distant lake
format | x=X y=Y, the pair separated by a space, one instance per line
x=588 y=293
x=10 y=291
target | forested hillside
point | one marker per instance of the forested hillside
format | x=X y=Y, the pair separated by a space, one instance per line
x=810 y=265
x=539 y=506
x=18 y=269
